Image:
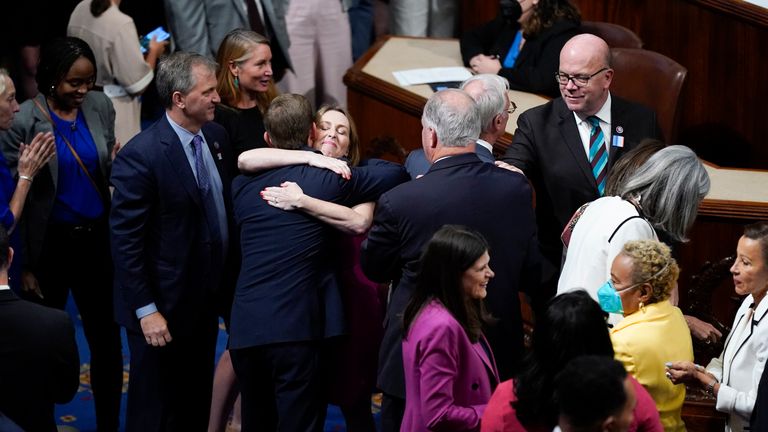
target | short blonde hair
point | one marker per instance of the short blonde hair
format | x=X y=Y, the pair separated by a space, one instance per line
x=652 y=262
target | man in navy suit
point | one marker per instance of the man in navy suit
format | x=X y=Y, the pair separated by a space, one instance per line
x=552 y=143
x=39 y=364
x=287 y=299
x=170 y=244
x=458 y=189
x=490 y=92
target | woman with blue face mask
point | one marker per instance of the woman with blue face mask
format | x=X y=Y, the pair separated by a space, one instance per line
x=653 y=331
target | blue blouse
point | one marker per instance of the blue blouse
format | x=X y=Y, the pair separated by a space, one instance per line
x=77 y=200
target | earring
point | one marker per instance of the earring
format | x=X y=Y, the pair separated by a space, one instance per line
x=53 y=88
x=642 y=307
x=237 y=82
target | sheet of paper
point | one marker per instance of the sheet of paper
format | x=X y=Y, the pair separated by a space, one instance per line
x=431 y=75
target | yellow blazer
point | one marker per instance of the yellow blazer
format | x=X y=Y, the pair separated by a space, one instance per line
x=644 y=342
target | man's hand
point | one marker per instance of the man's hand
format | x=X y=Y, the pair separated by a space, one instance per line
x=338 y=166
x=155 y=329
x=703 y=331
x=29 y=284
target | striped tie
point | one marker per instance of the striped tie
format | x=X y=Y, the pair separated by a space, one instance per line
x=598 y=156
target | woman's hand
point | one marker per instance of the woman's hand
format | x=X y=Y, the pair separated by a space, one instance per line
x=29 y=284
x=35 y=155
x=688 y=373
x=338 y=166
x=482 y=63
x=156 y=47
x=285 y=197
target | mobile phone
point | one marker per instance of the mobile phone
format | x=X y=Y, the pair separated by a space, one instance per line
x=159 y=32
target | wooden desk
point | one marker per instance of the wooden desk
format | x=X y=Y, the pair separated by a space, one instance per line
x=380 y=106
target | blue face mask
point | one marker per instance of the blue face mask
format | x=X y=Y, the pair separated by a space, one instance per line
x=609 y=298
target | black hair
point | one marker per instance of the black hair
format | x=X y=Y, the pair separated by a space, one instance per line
x=56 y=58
x=452 y=250
x=4 y=246
x=759 y=231
x=590 y=389
x=98 y=7
x=573 y=325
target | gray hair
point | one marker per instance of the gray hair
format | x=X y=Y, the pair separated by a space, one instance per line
x=454 y=117
x=490 y=101
x=174 y=74
x=669 y=187
x=3 y=74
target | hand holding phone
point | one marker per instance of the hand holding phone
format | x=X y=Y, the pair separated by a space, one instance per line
x=159 y=34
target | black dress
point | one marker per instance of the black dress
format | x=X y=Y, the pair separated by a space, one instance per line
x=244 y=126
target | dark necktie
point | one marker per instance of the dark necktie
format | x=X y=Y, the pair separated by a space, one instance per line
x=598 y=157
x=204 y=184
x=254 y=19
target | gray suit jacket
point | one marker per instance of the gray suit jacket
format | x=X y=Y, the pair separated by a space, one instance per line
x=100 y=118
x=200 y=25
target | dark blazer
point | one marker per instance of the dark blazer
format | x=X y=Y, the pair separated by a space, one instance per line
x=287 y=291
x=759 y=421
x=417 y=164
x=160 y=246
x=39 y=364
x=536 y=64
x=547 y=147
x=100 y=118
x=457 y=190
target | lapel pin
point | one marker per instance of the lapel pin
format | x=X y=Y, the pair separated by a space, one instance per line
x=218 y=151
x=619 y=129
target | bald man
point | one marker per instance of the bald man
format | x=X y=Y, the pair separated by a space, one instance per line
x=567 y=146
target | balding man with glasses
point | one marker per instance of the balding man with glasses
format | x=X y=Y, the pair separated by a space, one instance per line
x=567 y=146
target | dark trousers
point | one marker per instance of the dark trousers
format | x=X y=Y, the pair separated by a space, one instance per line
x=281 y=388
x=77 y=258
x=392 y=413
x=170 y=387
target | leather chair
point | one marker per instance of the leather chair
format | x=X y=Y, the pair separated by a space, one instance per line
x=650 y=79
x=614 y=35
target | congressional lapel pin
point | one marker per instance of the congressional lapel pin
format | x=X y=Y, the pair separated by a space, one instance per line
x=218 y=150
x=618 y=140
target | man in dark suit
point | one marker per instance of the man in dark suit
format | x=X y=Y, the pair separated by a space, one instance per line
x=553 y=143
x=287 y=299
x=490 y=93
x=170 y=244
x=759 y=420
x=458 y=189
x=39 y=364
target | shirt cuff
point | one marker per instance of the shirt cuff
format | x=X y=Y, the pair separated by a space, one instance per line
x=146 y=310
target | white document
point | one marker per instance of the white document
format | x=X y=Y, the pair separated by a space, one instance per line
x=431 y=75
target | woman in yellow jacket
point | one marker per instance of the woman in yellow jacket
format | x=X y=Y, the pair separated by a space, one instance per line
x=653 y=331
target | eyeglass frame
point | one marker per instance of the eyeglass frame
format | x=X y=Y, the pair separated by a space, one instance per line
x=575 y=78
x=512 y=107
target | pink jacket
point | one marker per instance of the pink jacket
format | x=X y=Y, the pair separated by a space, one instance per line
x=448 y=379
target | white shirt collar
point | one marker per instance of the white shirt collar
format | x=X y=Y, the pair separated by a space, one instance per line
x=604 y=113
x=4 y=287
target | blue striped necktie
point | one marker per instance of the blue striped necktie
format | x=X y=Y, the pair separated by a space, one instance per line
x=598 y=156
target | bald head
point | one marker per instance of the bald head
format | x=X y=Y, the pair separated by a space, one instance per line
x=586 y=57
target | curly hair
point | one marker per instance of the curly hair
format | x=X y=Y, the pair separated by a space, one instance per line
x=547 y=13
x=652 y=262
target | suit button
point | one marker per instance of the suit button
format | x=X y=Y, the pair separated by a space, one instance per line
x=475 y=386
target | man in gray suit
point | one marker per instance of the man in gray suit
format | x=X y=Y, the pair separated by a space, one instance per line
x=200 y=25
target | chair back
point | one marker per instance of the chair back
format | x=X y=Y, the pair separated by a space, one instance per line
x=614 y=35
x=650 y=79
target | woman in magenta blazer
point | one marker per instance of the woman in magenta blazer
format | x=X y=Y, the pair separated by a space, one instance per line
x=450 y=372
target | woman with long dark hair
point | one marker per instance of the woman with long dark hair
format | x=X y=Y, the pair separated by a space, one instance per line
x=450 y=371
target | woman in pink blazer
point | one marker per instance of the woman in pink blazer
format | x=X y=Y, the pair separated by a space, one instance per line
x=450 y=372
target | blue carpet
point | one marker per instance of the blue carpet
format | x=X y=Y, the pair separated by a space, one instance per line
x=79 y=412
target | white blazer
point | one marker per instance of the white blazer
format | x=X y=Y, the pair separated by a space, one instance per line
x=741 y=364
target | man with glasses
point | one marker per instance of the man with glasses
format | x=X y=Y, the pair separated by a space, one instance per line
x=490 y=92
x=567 y=146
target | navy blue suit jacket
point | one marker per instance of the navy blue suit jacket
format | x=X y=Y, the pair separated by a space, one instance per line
x=287 y=291
x=417 y=164
x=465 y=191
x=160 y=242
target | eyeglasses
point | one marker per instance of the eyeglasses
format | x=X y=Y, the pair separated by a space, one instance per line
x=512 y=107
x=578 y=80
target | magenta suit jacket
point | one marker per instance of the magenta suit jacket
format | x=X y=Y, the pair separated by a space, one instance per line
x=448 y=379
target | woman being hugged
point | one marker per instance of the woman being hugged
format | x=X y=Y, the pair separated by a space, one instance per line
x=450 y=371
x=734 y=377
x=65 y=232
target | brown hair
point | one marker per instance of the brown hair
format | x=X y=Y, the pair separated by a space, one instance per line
x=354 y=140
x=288 y=121
x=628 y=163
x=547 y=13
x=759 y=231
x=237 y=47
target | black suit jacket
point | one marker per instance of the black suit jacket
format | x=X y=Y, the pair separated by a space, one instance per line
x=287 y=291
x=160 y=243
x=759 y=421
x=457 y=190
x=39 y=364
x=547 y=147
x=536 y=64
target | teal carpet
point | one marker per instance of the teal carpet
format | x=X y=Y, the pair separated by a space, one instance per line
x=79 y=412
